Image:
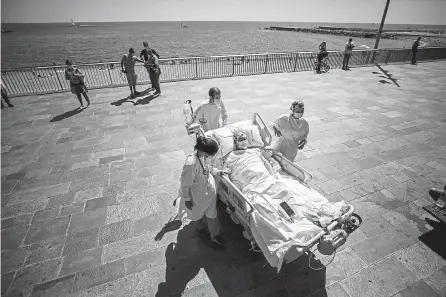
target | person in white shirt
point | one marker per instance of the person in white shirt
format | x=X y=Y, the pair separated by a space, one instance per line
x=347 y=53
x=212 y=114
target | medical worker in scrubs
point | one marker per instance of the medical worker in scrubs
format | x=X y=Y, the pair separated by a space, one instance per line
x=292 y=131
x=212 y=114
x=198 y=191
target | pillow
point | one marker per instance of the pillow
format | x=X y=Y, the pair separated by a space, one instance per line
x=225 y=137
x=252 y=133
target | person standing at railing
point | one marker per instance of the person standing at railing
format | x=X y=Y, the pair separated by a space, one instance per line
x=129 y=60
x=153 y=66
x=415 y=46
x=212 y=114
x=77 y=84
x=144 y=55
x=292 y=131
x=321 y=55
x=349 y=46
x=5 y=97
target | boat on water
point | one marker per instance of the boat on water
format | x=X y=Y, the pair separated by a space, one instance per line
x=6 y=31
x=73 y=23
x=183 y=26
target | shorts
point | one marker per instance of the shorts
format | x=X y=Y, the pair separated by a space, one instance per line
x=131 y=79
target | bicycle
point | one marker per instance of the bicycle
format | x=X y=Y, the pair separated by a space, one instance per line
x=325 y=67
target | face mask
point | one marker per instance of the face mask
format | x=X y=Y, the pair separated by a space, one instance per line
x=298 y=115
x=243 y=145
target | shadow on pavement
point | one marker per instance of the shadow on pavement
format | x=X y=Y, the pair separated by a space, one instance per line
x=145 y=100
x=387 y=76
x=67 y=114
x=131 y=100
x=191 y=264
x=434 y=239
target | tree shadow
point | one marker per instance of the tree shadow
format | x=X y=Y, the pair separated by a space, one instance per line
x=387 y=76
x=192 y=264
x=67 y=114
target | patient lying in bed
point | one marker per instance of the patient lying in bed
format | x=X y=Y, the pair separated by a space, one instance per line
x=251 y=171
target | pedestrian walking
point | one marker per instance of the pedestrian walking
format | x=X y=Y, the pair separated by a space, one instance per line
x=415 y=46
x=5 y=97
x=128 y=67
x=349 y=46
x=77 y=85
x=153 y=66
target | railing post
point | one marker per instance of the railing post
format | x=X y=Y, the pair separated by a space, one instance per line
x=233 y=66
x=58 y=78
x=295 y=63
x=266 y=64
x=388 y=56
x=424 y=53
x=109 y=74
x=196 y=68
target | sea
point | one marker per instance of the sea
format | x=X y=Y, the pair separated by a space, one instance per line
x=33 y=45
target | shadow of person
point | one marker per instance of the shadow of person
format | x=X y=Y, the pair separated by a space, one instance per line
x=67 y=114
x=145 y=100
x=121 y=101
x=191 y=263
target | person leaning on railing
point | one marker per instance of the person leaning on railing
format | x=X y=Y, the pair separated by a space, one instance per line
x=349 y=46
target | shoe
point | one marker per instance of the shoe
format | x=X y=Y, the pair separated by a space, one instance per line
x=437 y=193
x=10 y=105
x=137 y=93
x=132 y=96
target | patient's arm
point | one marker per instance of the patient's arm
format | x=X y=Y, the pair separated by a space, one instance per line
x=267 y=165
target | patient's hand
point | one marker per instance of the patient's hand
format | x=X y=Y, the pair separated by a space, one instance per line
x=216 y=171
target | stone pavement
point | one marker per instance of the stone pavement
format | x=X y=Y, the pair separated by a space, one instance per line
x=85 y=194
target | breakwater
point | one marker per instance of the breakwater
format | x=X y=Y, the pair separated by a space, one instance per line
x=358 y=32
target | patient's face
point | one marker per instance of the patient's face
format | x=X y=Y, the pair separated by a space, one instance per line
x=241 y=142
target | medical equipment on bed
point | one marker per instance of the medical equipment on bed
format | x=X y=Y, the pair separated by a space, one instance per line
x=193 y=126
x=240 y=209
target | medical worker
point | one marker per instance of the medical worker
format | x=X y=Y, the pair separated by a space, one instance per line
x=212 y=114
x=292 y=131
x=198 y=191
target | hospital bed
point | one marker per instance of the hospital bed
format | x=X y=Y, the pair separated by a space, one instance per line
x=242 y=211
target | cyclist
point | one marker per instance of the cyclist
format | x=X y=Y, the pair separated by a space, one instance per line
x=321 y=55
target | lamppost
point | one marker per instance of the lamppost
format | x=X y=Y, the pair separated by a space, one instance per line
x=378 y=37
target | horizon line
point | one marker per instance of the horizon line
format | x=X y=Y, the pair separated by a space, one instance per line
x=94 y=22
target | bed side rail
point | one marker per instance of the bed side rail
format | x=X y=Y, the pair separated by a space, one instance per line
x=292 y=168
x=235 y=191
x=263 y=130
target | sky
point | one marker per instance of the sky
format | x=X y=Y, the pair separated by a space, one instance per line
x=332 y=11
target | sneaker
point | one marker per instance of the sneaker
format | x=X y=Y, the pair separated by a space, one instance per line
x=132 y=96
x=437 y=193
x=137 y=93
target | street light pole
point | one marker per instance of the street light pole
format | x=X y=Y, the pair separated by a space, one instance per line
x=378 y=37
x=382 y=25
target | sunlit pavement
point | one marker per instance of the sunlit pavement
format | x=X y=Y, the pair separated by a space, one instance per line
x=86 y=192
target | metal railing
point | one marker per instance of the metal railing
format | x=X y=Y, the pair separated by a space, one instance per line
x=45 y=80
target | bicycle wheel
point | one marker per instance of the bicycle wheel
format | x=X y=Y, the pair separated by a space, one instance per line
x=326 y=67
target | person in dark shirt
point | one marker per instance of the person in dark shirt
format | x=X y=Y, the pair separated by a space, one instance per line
x=144 y=55
x=415 y=46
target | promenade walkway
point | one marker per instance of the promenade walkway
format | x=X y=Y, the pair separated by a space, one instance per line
x=86 y=193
